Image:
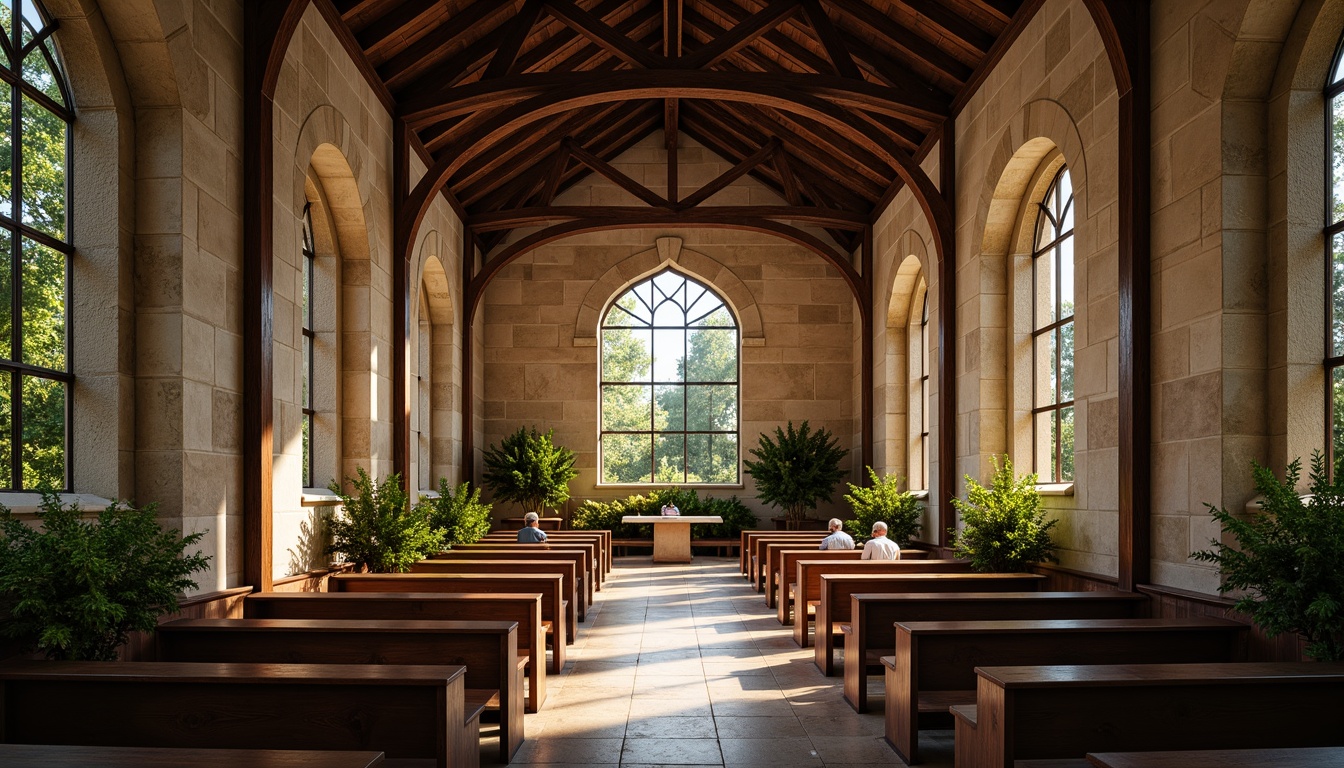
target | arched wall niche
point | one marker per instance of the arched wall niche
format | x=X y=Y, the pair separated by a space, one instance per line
x=667 y=252
x=435 y=355
x=908 y=287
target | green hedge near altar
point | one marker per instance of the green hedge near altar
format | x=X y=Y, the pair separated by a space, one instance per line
x=596 y=515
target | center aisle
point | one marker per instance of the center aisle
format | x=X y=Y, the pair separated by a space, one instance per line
x=684 y=665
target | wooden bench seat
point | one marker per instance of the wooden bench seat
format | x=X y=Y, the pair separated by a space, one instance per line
x=623 y=546
x=760 y=558
x=406 y=711
x=571 y=583
x=599 y=538
x=934 y=662
x=523 y=609
x=488 y=650
x=722 y=547
x=807 y=571
x=63 y=756
x=1061 y=712
x=589 y=564
x=838 y=588
x=747 y=536
x=554 y=608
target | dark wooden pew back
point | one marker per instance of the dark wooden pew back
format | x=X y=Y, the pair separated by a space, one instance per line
x=574 y=593
x=747 y=537
x=807 y=582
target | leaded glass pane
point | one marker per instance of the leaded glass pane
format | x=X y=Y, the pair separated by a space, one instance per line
x=6 y=430
x=6 y=151
x=1337 y=293
x=1065 y=379
x=627 y=458
x=43 y=303
x=669 y=354
x=627 y=354
x=670 y=412
x=43 y=169
x=670 y=458
x=1043 y=364
x=43 y=433
x=626 y=408
x=1043 y=274
x=1337 y=416
x=712 y=355
x=1065 y=439
x=1336 y=158
x=307 y=450
x=37 y=70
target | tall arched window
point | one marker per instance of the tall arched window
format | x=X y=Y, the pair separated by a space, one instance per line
x=1052 y=332
x=309 y=341
x=919 y=400
x=669 y=391
x=1334 y=264
x=35 y=370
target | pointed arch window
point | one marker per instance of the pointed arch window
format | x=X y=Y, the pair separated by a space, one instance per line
x=919 y=476
x=1334 y=264
x=309 y=341
x=1053 y=332
x=36 y=381
x=669 y=389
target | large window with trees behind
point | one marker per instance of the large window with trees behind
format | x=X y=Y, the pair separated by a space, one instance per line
x=35 y=372
x=669 y=385
x=1334 y=264
x=1052 y=332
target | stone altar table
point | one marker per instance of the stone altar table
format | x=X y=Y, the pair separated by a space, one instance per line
x=671 y=534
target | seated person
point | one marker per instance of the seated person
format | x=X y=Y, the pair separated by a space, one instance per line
x=838 y=538
x=880 y=547
x=531 y=532
x=670 y=510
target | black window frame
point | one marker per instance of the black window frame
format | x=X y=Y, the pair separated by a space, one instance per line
x=1046 y=207
x=310 y=336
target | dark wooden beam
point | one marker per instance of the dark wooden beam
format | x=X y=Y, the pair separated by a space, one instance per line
x=519 y=28
x=401 y=315
x=267 y=30
x=599 y=33
x=716 y=214
x=831 y=41
x=789 y=183
x=672 y=38
x=425 y=52
x=718 y=184
x=558 y=166
x=830 y=151
x=615 y=176
x=999 y=9
x=467 y=363
x=1124 y=29
x=947 y=334
x=388 y=32
x=923 y=57
x=550 y=54
x=741 y=35
x=867 y=410
x=945 y=23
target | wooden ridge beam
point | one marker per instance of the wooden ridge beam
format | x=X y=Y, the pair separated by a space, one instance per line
x=424 y=52
x=518 y=30
x=614 y=175
x=598 y=32
x=721 y=214
x=831 y=42
x=741 y=35
x=389 y=30
x=542 y=57
x=721 y=182
x=923 y=57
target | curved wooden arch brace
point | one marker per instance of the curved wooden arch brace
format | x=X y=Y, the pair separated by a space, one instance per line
x=668 y=252
x=476 y=289
x=600 y=90
x=690 y=84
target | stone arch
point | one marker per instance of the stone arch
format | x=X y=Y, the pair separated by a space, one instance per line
x=435 y=363
x=668 y=252
x=909 y=285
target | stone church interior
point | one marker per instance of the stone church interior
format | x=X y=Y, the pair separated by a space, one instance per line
x=311 y=295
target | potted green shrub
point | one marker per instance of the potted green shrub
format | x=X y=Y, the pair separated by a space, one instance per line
x=796 y=470
x=1004 y=529
x=530 y=469
x=75 y=588
x=883 y=500
x=378 y=529
x=459 y=513
x=1288 y=558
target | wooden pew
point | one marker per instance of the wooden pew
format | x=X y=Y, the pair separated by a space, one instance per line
x=807 y=572
x=574 y=593
x=602 y=539
x=1301 y=757
x=61 y=756
x=406 y=711
x=779 y=574
x=934 y=664
x=553 y=606
x=1061 y=712
x=488 y=650
x=836 y=589
x=523 y=609
x=747 y=536
x=589 y=562
x=758 y=554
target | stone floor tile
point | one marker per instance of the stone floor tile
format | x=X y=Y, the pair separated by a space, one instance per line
x=769 y=752
x=654 y=706
x=672 y=751
x=778 y=727
x=852 y=749
x=543 y=750
x=698 y=727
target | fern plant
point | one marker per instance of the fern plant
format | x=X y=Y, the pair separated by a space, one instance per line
x=460 y=513
x=378 y=528
x=1004 y=527
x=885 y=501
x=530 y=469
x=76 y=588
x=1288 y=558
x=796 y=470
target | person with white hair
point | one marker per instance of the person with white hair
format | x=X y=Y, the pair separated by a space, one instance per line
x=531 y=532
x=838 y=538
x=880 y=547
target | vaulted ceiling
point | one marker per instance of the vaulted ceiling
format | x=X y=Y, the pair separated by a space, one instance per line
x=891 y=70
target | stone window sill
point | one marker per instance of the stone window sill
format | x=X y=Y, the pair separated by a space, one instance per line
x=922 y=495
x=654 y=486
x=320 y=497
x=1054 y=489
x=27 y=503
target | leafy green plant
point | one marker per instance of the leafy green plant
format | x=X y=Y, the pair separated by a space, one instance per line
x=884 y=501
x=796 y=470
x=378 y=528
x=77 y=588
x=460 y=513
x=1288 y=558
x=606 y=515
x=530 y=469
x=1004 y=527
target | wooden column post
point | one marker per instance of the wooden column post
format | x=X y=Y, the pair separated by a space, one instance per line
x=468 y=351
x=947 y=335
x=268 y=26
x=867 y=411
x=401 y=313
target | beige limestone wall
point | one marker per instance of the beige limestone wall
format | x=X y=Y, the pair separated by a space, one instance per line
x=333 y=133
x=540 y=317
